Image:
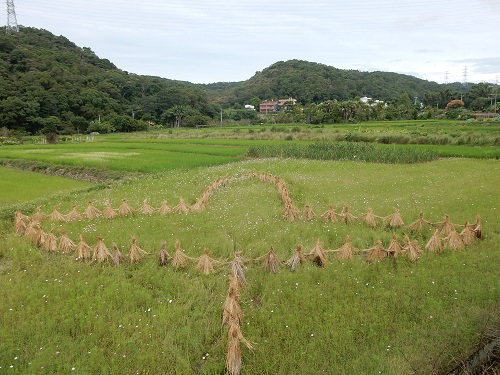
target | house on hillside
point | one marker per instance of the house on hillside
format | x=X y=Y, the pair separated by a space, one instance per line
x=273 y=106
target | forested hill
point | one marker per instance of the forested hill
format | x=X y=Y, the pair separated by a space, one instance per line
x=47 y=82
x=312 y=82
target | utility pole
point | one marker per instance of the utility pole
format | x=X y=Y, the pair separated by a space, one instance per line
x=496 y=90
x=11 y=27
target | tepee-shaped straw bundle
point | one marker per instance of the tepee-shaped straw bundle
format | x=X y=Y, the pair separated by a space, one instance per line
x=477 y=227
x=101 y=252
x=180 y=259
x=38 y=215
x=394 y=249
x=376 y=252
x=40 y=235
x=434 y=244
x=308 y=213
x=19 y=224
x=330 y=215
x=467 y=234
x=66 y=245
x=290 y=212
x=232 y=312
x=125 y=209
x=412 y=248
x=296 y=259
x=237 y=268
x=117 y=256
x=164 y=208
x=50 y=242
x=394 y=220
x=453 y=240
x=317 y=255
x=270 y=261
x=56 y=215
x=91 y=212
x=369 y=218
x=73 y=214
x=346 y=251
x=163 y=255
x=146 y=209
x=347 y=217
x=83 y=250
x=233 y=356
x=136 y=253
x=205 y=263
x=182 y=207
x=109 y=212
x=419 y=224
x=32 y=230
x=446 y=226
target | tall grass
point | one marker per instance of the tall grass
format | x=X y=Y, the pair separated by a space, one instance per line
x=367 y=152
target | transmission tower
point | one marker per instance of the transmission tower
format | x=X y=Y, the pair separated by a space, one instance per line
x=11 y=27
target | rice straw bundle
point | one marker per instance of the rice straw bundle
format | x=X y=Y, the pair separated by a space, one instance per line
x=296 y=259
x=38 y=215
x=56 y=215
x=434 y=244
x=136 y=253
x=19 y=224
x=101 y=252
x=233 y=357
x=40 y=235
x=232 y=313
x=376 y=252
x=117 y=256
x=290 y=212
x=330 y=215
x=66 y=245
x=82 y=249
x=453 y=240
x=164 y=208
x=394 y=248
x=477 y=227
x=347 y=217
x=125 y=209
x=308 y=213
x=109 y=212
x=347 y=250
x=182 y=207
x=32 y=230
x=91 y=212
x=73 y=214
x=146 y=209
x=163 y=255
x=270 y=261
x=394 y=220
x=318 y=255
x=467 y=234
x=237 y=268
x=369 y=218
x=205 y=263
x=412 y=248
x=419 y=224
x=446 y=226
x=180 y=259
x=200 y=204
x=50 y=242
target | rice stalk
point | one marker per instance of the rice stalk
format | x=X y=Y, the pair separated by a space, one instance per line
x=296 y=259
x=369 y=218
x=467 y=234
x=412 y=248
x=445 y=226
x=56 y=215
x=308 y=213
x=38 y=215
x=237 y=268
x=66 y=245
x=125 y=209
x=453 y=240
x=182 y=207
x=101 y=252
x=50 y=242
x=83 y=250
x=109 y=212
x=347 y=217
x=347 y=250
x=91 y=212
x=117 y=256
x=330 y=215
x=135 y=253
x=179 y=259
x=394 y=220
x=233 y=356
x=73 y=214
x=206 y=263
x=419 y=224
x=434 y=244
x=146 y=208
x=271 y=262
x=394 y=249
x=376 y=252
x=317 y=255
x=163 y=255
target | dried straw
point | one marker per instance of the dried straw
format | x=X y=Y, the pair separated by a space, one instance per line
x=73 y=214
x=296 y=259
x=163 y=255
x=180 y=259
x=50 y=242
x=40 y=235
x=38 y=215
x=146 y=209
x=270 y=261
x=376 y=252
x=347 y=217
x=412 y=248
x=369 y=218
x=318 y=255
x=232 y=312
x=19 y=224
x=31 y=230
x=66 y=245
x=434 y=244
x=101 y=252
x=477 y=227
x=109 y=212
x=56 y=215
x=91 y=212
x=205 y=263
x=233 y=357
x=419 y=224
x=164 y=208
x=117 y=256
x=136 y=253
x=347 y=250
x=330 y=215
x=394 y=248
x=308 y=213
x=394 y=220
x=237 y=268
x=182 y=207
x=467 y=234
x=290 y=212
x=125 y=209
x=82 y=249
x=453 y=240
x=446 y=226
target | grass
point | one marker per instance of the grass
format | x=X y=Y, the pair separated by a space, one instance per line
x=351 y=317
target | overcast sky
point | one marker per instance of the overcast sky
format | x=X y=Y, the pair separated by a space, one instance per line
x=204 y=41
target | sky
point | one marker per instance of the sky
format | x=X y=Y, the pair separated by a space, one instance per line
x=205 y=41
